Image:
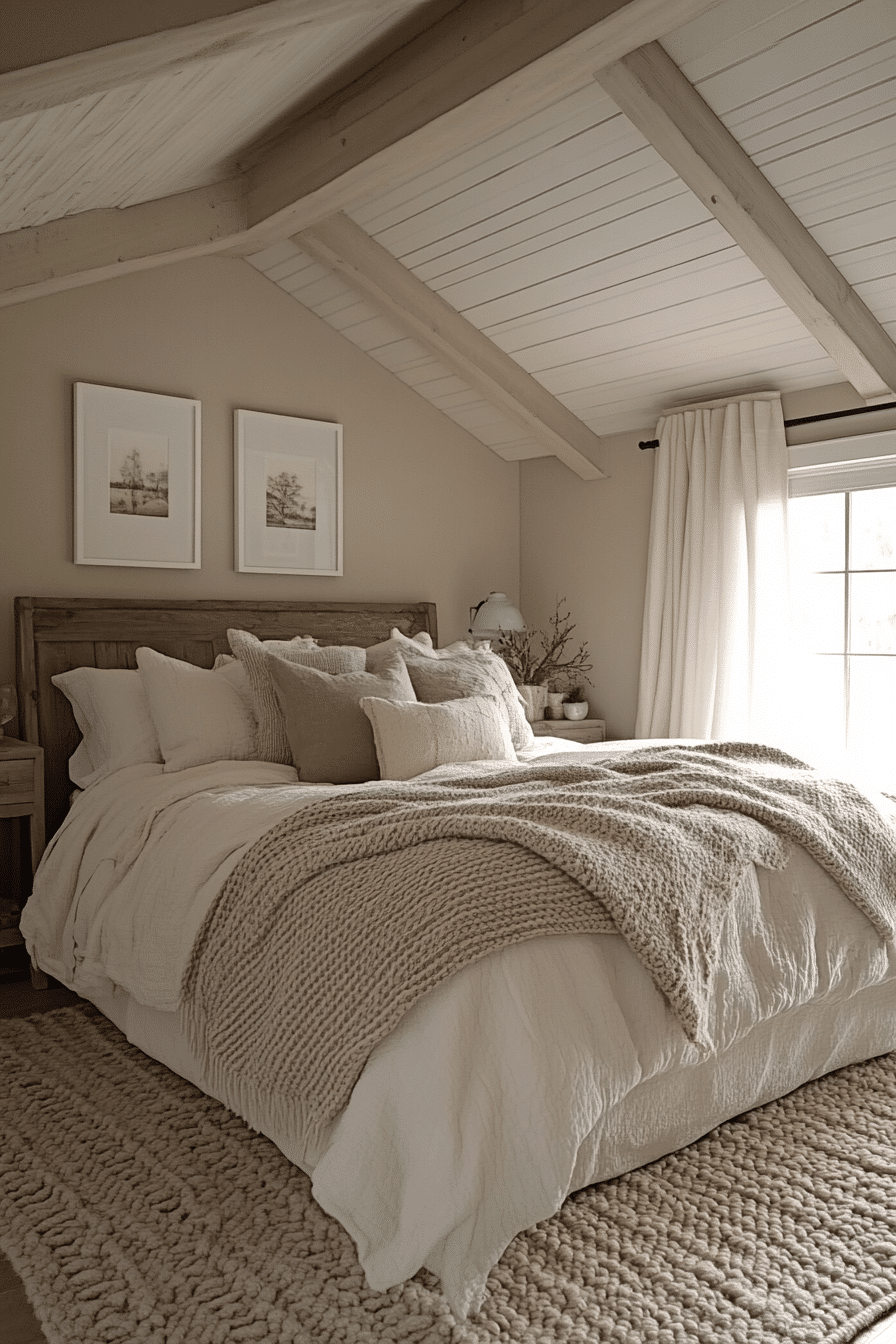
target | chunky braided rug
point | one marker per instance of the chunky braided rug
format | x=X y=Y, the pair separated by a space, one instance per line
x=136 y=1209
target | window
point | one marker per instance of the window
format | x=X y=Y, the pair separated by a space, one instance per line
x=842 y=526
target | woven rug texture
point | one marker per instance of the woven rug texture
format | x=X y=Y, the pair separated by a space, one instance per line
x=136 y=1209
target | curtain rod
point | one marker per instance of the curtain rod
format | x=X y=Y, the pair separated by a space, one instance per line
x=809 y=419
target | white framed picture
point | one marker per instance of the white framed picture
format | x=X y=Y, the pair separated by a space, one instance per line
x=288 y=494
x=137 y=478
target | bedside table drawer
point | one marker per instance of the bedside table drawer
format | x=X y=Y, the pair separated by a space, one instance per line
x=16 y=782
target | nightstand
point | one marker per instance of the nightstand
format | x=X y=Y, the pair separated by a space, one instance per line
x=22 y=795
x=574 y=730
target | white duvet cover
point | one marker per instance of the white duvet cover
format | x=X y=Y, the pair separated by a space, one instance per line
x=532 y=1073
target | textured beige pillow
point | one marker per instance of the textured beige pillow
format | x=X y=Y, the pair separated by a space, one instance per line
x=272 y=743
x=329 y=734
x=468 y=671
x=411 y=738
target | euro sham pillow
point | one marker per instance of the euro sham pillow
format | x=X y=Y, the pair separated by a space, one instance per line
x=112 y=712
x=459 y=670
x=330 y=736
x=413 y=738
x=272 y=743
x=200 y=716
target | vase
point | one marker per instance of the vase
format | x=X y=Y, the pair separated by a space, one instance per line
x=555 y=705
x=535 y=698
x=575 y=709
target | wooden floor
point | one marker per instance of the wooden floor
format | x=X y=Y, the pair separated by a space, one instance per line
x=18 y=1324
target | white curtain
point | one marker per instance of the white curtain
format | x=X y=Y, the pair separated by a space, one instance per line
x=714 y=660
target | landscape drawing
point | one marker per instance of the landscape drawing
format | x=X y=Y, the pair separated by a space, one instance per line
x=138 y=473
x=290 y=491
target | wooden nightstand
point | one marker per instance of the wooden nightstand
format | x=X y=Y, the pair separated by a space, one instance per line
x=22 y=795
x=574 y=730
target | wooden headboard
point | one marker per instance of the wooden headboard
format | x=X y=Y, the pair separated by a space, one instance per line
x=57 y=634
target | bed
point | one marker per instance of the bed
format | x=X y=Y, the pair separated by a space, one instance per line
x=526 y=1073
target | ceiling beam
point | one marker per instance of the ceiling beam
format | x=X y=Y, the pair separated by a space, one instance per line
x=66 y=53
x=474 y=72
x=653 y=93
x=339 y=244
x=100 y=244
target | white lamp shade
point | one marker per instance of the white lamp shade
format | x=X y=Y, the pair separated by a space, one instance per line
x=496 y=614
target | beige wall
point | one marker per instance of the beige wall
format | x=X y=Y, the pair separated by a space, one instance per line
x=587 y=541
x=429 y=513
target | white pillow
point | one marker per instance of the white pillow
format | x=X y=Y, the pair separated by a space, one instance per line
x=411 y=738
x=200 y=716
x=112 y=712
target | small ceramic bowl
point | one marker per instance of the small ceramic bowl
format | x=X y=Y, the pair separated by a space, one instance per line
x=575 y=709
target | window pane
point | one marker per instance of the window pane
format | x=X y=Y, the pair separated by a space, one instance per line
x=818 y=612
x=821 y=706
x=816 y=525
x=872 y=624
x=873 y=529
x=872 y=712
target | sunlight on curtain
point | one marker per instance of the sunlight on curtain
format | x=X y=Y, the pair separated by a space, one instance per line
x=714 y=653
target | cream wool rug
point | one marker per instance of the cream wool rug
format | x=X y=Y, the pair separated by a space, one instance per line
x=136 y=1209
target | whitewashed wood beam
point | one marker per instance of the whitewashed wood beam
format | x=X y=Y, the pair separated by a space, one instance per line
x=205 y=29
x=384 y=130
x=341 y=245
x=99 y=244
x=480 y=69
x=653 y=93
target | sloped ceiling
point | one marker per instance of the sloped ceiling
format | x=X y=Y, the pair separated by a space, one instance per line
x=552 y=227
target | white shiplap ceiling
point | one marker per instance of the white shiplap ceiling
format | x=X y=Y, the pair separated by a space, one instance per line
x=601 y=286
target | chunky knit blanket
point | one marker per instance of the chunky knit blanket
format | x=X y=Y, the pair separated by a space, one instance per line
x=342 y=916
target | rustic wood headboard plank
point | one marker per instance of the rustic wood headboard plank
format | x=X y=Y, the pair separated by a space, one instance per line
x=57 y=634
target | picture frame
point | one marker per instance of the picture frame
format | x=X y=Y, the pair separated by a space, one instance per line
x=287 y=494
x=137 y=479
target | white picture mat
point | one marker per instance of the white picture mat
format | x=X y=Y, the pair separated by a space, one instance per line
x=312 y=450
x=169 y=428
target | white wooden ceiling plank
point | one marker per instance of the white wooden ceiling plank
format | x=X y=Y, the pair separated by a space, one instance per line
x=329 y=308
x=871 y=262
x=493 y=154
x=706 y=239
x=814 y=102
x=827 y=122
x=404 y=354
x=440 y=388
x=541 y=236
x=647 y=294
x=628 y=397
x=644 y=165
x=868 y=186
x=793 y=172
x=752 y=336
x=792 y=363
x=289 y=269
x=451 y=401
x=859 y=229
x=372 y=332
x=326 y=293
x=687 y=319
x=273 y=255
x=590 y=148
x=731 y=31
x=653 y=186
x=852 y=28
x=537 y=267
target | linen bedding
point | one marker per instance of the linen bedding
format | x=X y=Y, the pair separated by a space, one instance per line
x=528 y=1074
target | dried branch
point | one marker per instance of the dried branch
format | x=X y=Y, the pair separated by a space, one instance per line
x=536 y=658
